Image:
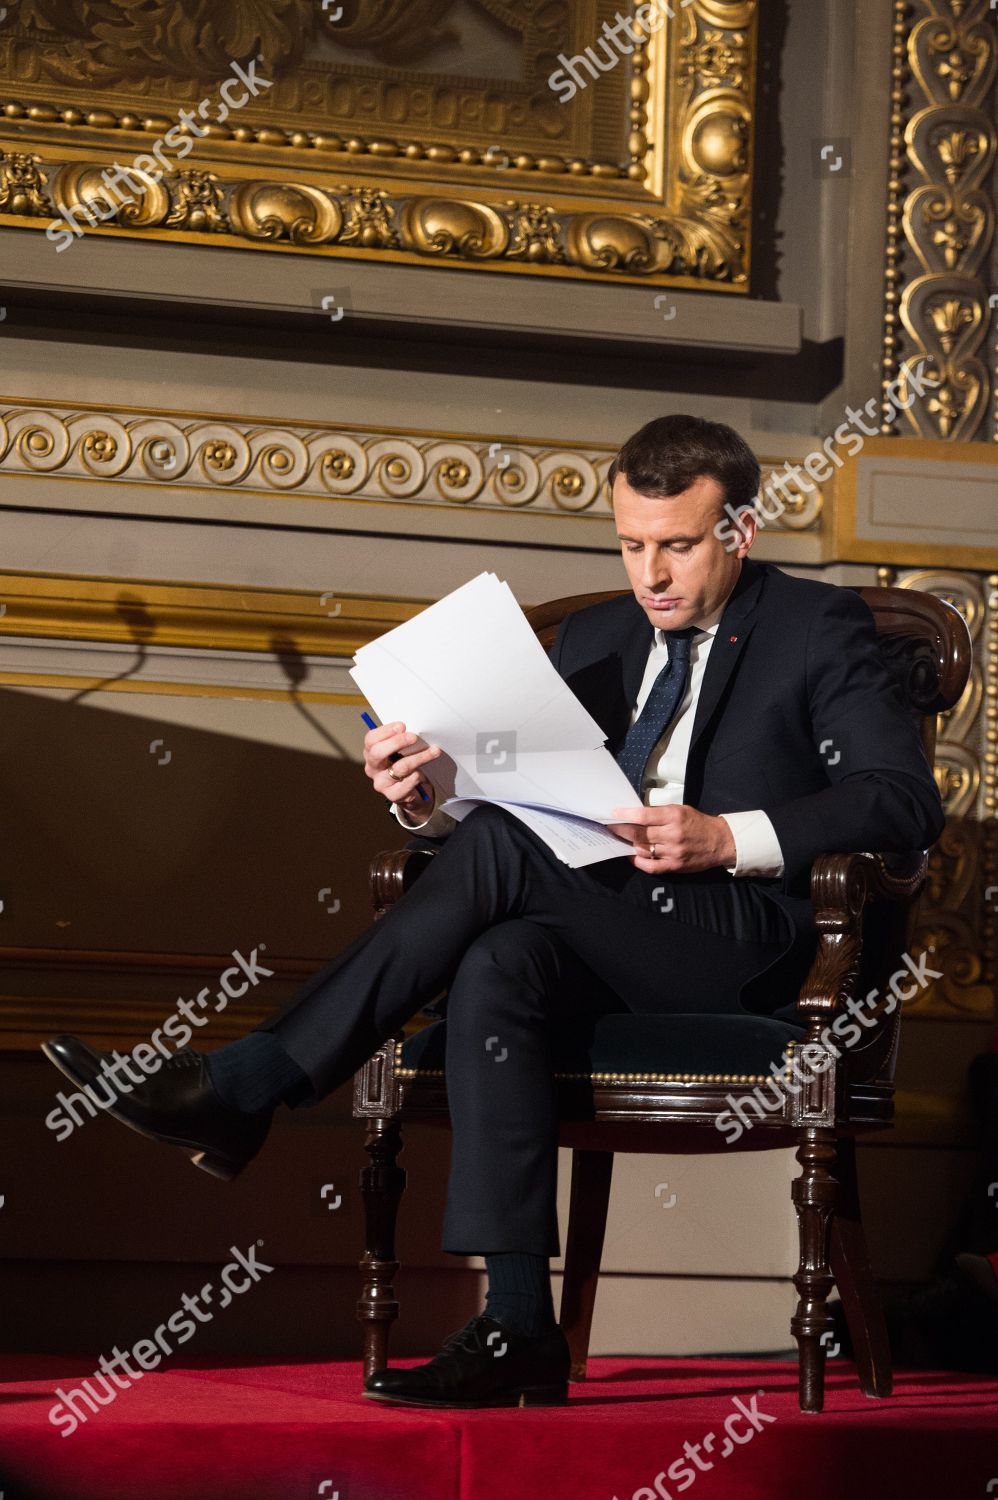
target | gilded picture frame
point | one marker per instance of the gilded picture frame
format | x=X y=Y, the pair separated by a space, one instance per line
x=546 y=139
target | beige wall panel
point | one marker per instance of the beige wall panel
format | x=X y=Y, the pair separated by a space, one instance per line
x=939 y=505
x=268 y=388
x=411 y=297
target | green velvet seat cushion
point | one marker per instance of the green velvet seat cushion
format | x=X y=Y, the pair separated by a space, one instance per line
x=622 y=1042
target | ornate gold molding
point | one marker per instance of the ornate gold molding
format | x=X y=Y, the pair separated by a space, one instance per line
x=219 y=617
x=645 y=176
x=152 y=687
x=941 y=235
x=319 y=97
x=309 y=461
x=957 y=915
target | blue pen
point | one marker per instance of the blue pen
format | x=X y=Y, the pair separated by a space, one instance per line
x=371 y=725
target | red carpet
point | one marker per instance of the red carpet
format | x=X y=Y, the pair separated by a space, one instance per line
x=303 y=1432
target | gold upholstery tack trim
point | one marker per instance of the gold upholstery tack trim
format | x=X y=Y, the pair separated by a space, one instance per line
x=401 y=1072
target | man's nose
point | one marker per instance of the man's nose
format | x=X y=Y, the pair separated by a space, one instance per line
x=655 y=576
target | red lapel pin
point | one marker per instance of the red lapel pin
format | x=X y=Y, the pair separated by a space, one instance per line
x=732 y=639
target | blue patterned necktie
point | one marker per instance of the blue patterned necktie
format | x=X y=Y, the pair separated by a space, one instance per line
x=668 y=691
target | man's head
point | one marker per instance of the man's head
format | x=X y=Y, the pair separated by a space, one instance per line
x=670 y=484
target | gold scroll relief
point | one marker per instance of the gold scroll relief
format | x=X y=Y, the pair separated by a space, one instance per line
x=368 y=145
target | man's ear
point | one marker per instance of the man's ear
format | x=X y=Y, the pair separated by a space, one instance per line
x=748 y=525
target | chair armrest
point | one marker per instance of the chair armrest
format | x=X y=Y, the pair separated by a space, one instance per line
x=392 y=873
x=842 y=885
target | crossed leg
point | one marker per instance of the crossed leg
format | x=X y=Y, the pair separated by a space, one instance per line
x=493 y=868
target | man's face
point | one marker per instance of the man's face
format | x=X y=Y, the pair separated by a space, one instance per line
x=679 y=570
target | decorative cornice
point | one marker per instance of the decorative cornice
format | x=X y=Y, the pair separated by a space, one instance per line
x=317 y=462
x=400 y=467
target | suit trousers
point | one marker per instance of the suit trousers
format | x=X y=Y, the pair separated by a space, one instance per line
x=522 y=944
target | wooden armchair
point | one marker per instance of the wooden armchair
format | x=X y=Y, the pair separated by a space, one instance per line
x=658 y=1084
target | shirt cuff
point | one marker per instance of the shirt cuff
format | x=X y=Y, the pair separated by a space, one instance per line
x=437 y=825
x=757 y=849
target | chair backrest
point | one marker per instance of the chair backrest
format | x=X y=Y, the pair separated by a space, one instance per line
x=925 y=643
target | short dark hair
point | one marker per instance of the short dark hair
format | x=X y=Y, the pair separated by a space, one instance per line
x=669 y=453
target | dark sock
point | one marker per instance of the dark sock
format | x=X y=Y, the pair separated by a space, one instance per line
x=519 y=1295
x=255 y=1073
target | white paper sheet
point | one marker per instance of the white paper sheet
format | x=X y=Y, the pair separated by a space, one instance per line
x=470 y=675
x=576 y=841
x=470 y=663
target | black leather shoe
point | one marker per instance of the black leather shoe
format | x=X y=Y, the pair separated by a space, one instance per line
x=177 y=1104
x=483 y=1364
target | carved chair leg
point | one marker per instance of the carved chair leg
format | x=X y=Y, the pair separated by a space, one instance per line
x=591 y=1173
x=850 y=1262
x=381 y=1185
x=815 y=1195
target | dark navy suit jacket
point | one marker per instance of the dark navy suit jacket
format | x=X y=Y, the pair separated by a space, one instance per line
x=798 y=715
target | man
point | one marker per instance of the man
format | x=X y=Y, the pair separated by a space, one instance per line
x=759 y=726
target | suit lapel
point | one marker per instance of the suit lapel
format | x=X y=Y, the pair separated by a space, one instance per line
x=733 y=630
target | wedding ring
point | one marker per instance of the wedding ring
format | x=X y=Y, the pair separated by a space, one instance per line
x=653 y=851
x=393 y=776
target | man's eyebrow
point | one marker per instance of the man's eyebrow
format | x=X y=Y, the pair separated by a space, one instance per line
x=668 y=540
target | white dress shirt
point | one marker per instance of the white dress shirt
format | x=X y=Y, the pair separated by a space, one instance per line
x=757 y=849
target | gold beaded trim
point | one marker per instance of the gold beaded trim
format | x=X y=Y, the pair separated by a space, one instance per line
x=401 y=1072
x=895 y=193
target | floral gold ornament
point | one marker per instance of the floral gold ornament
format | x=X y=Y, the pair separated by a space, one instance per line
x=100 y=446
x=220 y=456
x=396 y=160
x=941 y=233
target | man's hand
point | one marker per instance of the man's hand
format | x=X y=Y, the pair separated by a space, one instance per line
x=685 y=840
x=379 y=746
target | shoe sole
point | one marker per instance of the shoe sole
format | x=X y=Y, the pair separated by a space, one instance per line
x=526 y=1396
x=209 y=1161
